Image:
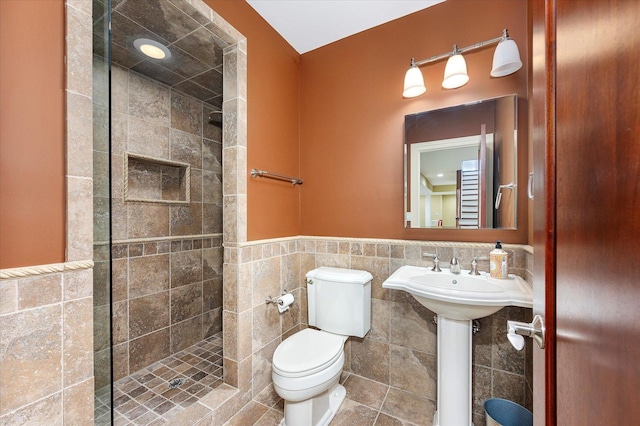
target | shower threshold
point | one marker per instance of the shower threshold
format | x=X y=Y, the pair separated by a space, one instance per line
x=154 y=395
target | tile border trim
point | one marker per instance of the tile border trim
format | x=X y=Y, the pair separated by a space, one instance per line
x=30 y=271
x=160 y=239
x=524 y=247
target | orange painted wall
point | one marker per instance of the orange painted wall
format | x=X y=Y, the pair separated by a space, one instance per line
x=32 y=139
x=273 y=102
x=333 y=116
x=352 y=114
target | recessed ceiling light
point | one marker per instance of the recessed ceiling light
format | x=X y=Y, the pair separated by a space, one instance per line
x=152 y=48
x=440 y=175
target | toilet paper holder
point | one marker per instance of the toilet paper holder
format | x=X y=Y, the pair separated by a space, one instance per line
x=271 y=300
x=535 y=329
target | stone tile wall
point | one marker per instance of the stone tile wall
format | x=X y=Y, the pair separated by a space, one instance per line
x=167 y=295
x=400 y=349
x=253 y=328
x=46 y=358
x=166 y=258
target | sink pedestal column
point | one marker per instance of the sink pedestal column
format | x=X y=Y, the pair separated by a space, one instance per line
x=454 y=373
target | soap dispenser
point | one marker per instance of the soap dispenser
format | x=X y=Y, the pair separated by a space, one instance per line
x=498 y=262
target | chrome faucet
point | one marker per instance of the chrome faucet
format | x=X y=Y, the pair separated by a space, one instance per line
x=436 y=262
x=455 y=265
x=474 y=265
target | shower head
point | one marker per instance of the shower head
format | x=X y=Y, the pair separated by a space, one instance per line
x=215 y=118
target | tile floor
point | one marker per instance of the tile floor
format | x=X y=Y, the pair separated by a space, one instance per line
x=367 y=403
x=145 y=398
x=154 y=395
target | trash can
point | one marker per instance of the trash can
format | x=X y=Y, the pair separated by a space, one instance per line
x=502 y=412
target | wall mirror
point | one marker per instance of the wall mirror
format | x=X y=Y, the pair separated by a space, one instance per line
x=460 y=166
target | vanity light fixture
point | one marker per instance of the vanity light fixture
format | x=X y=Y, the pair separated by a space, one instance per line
x=152 y=48
x=506 y=60
x=455 y=72
x=413 y=82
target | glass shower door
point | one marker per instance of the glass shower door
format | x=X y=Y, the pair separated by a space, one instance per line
x=103 y=413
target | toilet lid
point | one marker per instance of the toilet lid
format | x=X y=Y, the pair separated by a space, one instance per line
x=306 y=352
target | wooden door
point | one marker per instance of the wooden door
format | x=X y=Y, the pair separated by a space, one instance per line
x=543 y=129
x=598 y=212
x=591 y=225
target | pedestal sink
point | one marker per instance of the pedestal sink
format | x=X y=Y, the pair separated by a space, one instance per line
x=457 y=299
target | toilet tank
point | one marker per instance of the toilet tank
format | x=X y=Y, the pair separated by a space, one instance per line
x=339 y=300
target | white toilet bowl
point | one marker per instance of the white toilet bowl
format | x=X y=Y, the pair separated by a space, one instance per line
x=307 y=366
x=306 y=373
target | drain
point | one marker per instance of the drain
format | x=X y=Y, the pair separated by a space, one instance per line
x=175 y=383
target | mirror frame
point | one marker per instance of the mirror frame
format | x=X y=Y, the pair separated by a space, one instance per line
x=486 y=235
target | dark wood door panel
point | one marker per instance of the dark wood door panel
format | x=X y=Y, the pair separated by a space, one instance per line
x=543 y=145
x=597 y=230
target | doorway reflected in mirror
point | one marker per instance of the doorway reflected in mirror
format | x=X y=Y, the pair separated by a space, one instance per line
x=460 y=166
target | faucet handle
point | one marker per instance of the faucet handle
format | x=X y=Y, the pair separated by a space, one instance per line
x=436 y=261
x=474 y=265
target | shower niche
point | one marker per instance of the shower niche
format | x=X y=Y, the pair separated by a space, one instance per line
x=156 y=180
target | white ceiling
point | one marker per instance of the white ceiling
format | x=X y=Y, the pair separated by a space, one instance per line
x=445 y=162
x=309 y=24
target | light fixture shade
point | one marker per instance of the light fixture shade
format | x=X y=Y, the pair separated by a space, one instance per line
x=455 y=72
x=413 y=83
x=506 y=59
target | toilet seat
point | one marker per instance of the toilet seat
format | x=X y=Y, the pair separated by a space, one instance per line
x=307 y=352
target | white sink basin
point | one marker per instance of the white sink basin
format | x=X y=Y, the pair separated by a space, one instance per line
x=461 y=296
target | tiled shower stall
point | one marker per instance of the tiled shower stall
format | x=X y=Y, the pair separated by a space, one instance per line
x=166 y=225
x=167 y=257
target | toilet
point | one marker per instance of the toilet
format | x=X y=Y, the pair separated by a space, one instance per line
x=307 y=365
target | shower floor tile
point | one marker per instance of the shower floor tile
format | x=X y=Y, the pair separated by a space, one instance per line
x=157 y=393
